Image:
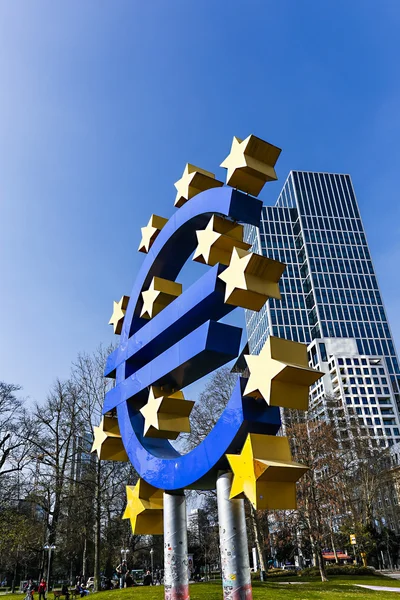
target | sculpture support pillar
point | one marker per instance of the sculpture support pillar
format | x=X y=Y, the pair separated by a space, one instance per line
x=176 y=575
x=236 y=580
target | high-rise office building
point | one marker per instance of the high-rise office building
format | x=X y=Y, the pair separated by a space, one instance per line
x=329 y=290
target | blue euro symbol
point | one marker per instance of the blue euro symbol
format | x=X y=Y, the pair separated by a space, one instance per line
x=181 y=344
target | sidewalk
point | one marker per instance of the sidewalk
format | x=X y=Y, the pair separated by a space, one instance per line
x=392 y=574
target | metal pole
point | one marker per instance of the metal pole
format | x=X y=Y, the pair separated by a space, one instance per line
x=48 y=568
x=176 y=574
x=235 y=565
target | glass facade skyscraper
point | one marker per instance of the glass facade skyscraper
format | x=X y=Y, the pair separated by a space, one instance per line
x=329 y=288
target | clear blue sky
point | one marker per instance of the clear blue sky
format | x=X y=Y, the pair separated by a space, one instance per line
x=103 y=103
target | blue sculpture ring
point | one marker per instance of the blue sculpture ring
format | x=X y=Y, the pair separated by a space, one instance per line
x=184 y=342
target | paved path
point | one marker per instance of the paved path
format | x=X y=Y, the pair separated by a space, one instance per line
x=392 y=574
x=379 y=588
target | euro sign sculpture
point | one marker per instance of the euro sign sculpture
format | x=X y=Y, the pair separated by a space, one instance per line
x=170 y=337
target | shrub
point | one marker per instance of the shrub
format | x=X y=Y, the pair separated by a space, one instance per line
x=275 y=574
x=339 y=570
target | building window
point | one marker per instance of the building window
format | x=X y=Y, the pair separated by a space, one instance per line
x=323 y=352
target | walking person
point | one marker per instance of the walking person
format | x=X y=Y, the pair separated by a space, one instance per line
x=122 y=570
x=30 y=588
x=42 y=589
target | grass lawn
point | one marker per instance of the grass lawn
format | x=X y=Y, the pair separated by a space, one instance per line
x=338 y=588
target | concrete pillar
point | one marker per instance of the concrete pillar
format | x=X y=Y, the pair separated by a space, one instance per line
x=176 y=576
x=235 y=565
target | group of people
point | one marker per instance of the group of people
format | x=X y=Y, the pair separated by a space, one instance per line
x=30 y=589
x=80 y=587
x=126 y=579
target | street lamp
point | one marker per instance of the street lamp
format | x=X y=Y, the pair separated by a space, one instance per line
x=152 y=566
x=124 y=552
x=49 y=548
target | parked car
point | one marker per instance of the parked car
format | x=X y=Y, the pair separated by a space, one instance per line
x=290 y=568
x=90 y=582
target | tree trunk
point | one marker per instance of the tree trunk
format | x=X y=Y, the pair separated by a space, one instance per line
x=257 y=538
x=97 y=531
x=321 y=566
x=84 y=557
x=334 y=549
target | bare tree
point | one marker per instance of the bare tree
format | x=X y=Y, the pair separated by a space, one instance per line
x=51 y=431
x=14 y=450
x=106 y=480
x=315 y=445
x=210 y=405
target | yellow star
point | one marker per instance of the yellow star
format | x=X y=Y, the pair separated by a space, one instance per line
x=280 y=374
x=250 y=164
x=251 y=279
x=160 y=293
x=265 y=473
x=108 y=442
x=119 y=310
x=166 y=416
x=193 y=181
x=150 y=232
x=144 y=508
x=217 y=240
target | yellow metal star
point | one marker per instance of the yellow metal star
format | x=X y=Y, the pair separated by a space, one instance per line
x=250 y=164
x=160 y=293
x=150 y=232
x=107 y=440
x=280 y=374
x=265 y=473
x=217 y=240
x=117 y=318
x=251 y=279
x=166 y=416
x=193 y=181
x=144 y=508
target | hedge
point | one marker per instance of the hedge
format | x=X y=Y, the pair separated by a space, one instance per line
x=339 y=570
